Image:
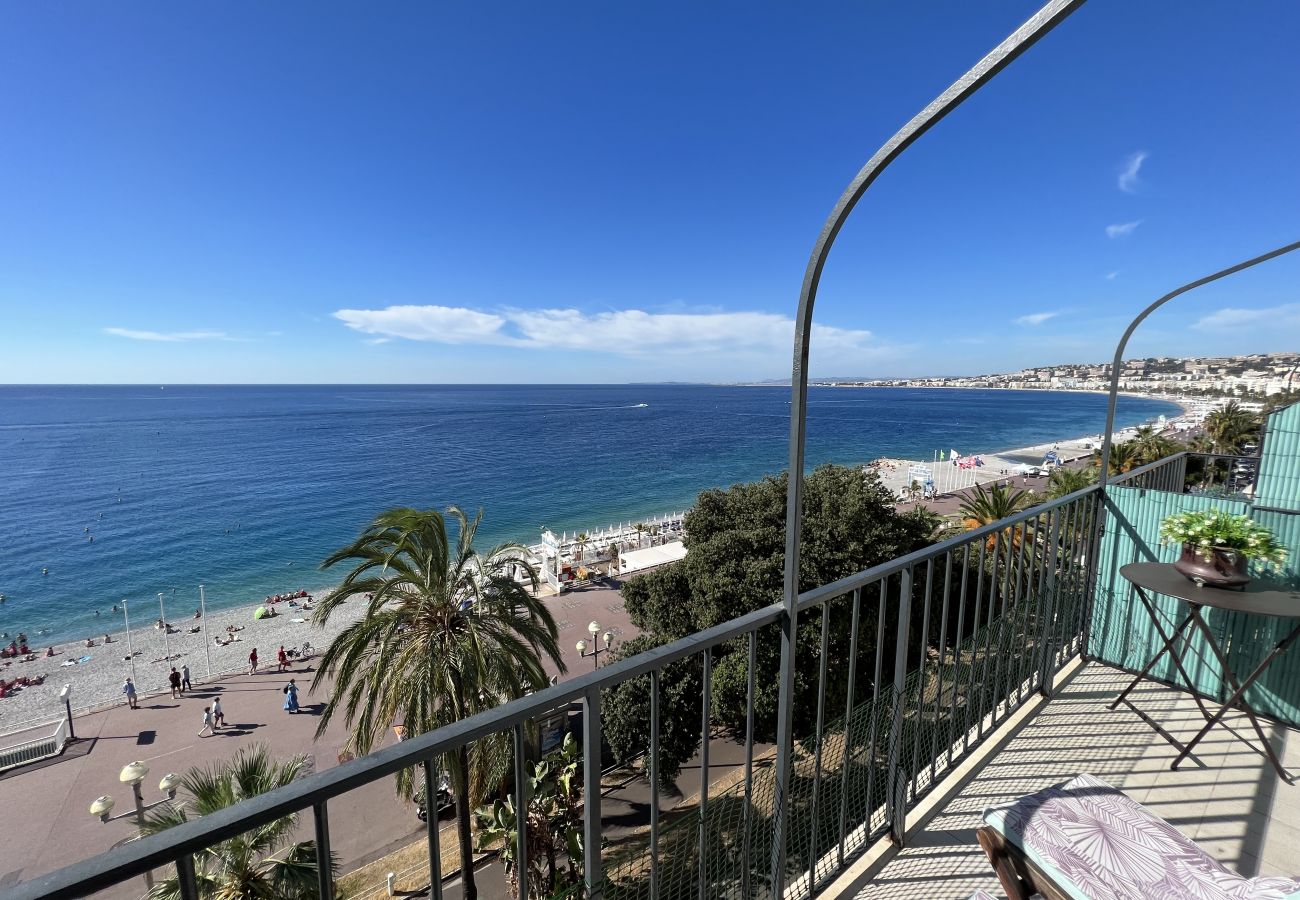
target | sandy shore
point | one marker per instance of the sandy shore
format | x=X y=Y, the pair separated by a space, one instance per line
x=894 y=473
x=98 y=680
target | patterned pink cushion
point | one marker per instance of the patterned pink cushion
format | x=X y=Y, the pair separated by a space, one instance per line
x=1098 y=844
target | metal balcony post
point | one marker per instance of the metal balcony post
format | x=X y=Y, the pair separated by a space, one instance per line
x=1048 y=670
x=896 y=796
x=1052 y=14
x=593 y=873
x=324 y=871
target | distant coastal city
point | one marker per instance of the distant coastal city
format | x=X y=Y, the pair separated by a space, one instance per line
x=1255 y=376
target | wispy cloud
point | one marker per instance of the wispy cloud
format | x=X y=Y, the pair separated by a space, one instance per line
x=1111 y=276
x=630 y=332
x=1037 y=318
x=1128 y=175
x=169 y=336
x=1122 y=230
x=1237 y=319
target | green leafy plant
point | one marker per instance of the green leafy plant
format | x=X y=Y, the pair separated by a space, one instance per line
x=1214 y=529
x=263 y=862
x=554 y=819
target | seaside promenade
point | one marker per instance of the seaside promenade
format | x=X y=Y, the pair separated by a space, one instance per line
x=48 y=803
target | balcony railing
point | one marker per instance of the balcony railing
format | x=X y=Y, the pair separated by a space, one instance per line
x=943 y=644
x=1215 y=474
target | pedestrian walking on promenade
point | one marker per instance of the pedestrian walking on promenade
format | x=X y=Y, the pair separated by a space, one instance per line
x=207 y=721
x=185 y=678
x=291 y=696
x=282 y=659
x=175 y=679
x=252 y=662
x=128 y=688
x=218 y=714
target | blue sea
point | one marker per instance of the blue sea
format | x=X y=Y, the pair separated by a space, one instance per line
x=246 y=489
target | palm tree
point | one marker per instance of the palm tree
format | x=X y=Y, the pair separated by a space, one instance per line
x=1066 y=481
x=640 y=528
x=1229 y=427
x=1150 y=445
x=261 y=863
x=582 y=541
x=446 y=633
x=988 y=505
x=1123 y=457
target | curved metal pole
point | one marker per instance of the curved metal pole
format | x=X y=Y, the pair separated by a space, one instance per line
x=1104 y=475
x=1043 y=21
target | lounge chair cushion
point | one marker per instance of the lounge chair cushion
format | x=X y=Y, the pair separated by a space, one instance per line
x=980 y=895
x=1096 y=843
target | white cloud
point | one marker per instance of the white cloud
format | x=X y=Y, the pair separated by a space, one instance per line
x=630 y=332
x=1037 y=318
x=1128 y=176
x=169 y=336
x=1122 y=230
x=444 y=324
x=1237 y=319
x=1111 y=276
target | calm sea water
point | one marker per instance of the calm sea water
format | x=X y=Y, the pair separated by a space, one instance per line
x=246 y=489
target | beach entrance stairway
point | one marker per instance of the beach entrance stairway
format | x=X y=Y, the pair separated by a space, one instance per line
x=33 y=744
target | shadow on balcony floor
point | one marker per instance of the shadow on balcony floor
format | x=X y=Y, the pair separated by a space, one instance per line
x=1226 y=797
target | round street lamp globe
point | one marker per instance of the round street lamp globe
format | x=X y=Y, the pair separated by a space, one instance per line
x=608 y=635
x=101 y=807
x=581 y=646
x=170 y=782
x=133 y=772
x=594 y=628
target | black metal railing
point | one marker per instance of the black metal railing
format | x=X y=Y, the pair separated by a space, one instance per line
x=1216 y=474
x=943 y=645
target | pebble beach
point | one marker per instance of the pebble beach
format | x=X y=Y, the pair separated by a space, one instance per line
x=96 y=673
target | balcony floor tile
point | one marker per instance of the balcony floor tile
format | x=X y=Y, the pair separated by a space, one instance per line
x=1226 y=796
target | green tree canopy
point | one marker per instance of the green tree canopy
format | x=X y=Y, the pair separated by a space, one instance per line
x=734 y=564
x=626 y=719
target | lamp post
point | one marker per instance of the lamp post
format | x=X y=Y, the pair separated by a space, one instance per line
x=66 y=696
x=133 y=773
x=130 y=651
x=162 y=617
x=203 y=614
x=594 y=628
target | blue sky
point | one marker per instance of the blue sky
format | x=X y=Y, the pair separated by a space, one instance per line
x=595 y=192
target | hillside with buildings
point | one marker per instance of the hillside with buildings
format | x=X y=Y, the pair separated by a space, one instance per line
x=1257 y=375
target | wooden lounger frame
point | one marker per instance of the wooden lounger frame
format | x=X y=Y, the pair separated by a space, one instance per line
x=1019 y=877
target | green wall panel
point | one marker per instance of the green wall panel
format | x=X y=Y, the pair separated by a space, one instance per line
x=1122 y=632
x=1279 y=471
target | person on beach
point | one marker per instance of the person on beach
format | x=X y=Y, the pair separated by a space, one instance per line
x=185 y=678
x=175 y=679
x=128 y=688
x=291 y=696
x=252 y=662
x=207 y=721
x=218 y=714
x=282 y=659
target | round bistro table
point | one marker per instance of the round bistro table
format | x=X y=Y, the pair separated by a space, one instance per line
x=1259 y=598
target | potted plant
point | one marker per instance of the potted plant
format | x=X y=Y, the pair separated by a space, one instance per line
x=1216 y=546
